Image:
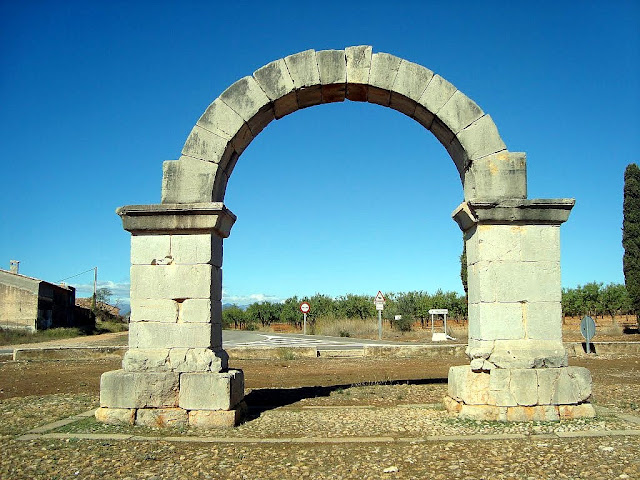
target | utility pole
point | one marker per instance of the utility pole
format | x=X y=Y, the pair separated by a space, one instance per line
x=95 y=287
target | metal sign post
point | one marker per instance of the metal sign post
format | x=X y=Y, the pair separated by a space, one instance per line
x=588 y=330
x=304 y=308
x=379 y=303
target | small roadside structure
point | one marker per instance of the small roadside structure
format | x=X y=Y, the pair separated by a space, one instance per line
x=439 y=336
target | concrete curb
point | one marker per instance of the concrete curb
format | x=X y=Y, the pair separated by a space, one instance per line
x=574 y=349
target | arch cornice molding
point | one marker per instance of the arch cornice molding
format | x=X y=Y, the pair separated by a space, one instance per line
x=488 y=171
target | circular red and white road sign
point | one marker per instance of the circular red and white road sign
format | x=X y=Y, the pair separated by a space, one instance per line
x=305 y=307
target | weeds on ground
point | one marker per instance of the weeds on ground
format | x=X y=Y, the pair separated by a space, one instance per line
x=13 y=337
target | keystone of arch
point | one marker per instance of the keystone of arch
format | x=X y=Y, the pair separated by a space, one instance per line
x=487 y=170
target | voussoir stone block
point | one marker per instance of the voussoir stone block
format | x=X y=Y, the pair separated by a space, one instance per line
x=437 y=94
x=152 y=335
x=303 y=68
x=172 y=281
x=188 y=180
x=275 y=79
x=358 y=70
x=211 y=391
x=481 y=138
x=120 y=389
x=249 y=101
x=204 y=145
x=384 y=68
x=459 y=112
x=221 y=119
x=410 y=83
x=332 y=66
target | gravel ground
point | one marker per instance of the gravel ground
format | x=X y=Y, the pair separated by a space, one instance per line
x=599 y=458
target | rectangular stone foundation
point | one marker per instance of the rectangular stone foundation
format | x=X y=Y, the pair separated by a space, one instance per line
x=519 y=394
x=204 y=399
x=173 y=417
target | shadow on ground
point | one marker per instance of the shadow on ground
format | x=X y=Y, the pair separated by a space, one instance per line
x=264 y=399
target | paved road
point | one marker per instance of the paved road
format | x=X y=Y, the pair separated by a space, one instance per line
x=230 y=338
x=241 y=338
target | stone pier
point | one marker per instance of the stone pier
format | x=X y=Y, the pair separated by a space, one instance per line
x=519 y=368
x=175 y=371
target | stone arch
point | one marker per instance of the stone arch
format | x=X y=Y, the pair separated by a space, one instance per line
x=176 y=370
x=487 y=170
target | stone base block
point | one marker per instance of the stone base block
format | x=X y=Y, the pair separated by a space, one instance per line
x=120 y=389
x=116 y=416
x=211 y=391
x=539 y=413
x=217 y=418
x=162 y=417
x=525 y=387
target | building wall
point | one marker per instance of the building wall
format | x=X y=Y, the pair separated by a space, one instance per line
x=18 y=301
x=32 y=304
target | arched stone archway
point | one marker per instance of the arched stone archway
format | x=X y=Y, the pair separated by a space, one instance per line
x=176 y=370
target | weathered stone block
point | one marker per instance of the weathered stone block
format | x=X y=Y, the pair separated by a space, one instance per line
x=249 y=101
x=443 y=134
x=155 y=335
x=570 y=412
x=198 y=248
x=410 y=83
x=211 y=391
x=332 y=65
x=468 y=386
x=196 y=310
x=539 y=413
x=162 y=417
x=499 y=388
x=150 y=249
x=499 y=243
x=358 y=69
x=120 y=389
x=172 y=281
x=437 y=94
x=547 y=379
x=527 y=353
x=384 y=68
x=202 y=144
x=198 y=360
x=459 y=112
x=541 y=243
x=303 y=68
x=116 y=416
x=481 y=138
x=175 y=360
x=573 y=386
x=221 y=119
x=154 y=310
x=498 y=176
x=146 y=360
x=274 y=79
x=217 y=418
x=544 y=321
x=523 y=385
x=495 y=320
x=188 y=180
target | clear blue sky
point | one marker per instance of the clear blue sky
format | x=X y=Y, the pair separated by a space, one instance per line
x=338 y=198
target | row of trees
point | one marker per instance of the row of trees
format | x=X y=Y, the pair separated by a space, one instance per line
x=411 y=306
x=596 y=299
